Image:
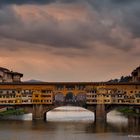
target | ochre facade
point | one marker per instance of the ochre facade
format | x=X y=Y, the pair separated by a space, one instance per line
x=44 y=93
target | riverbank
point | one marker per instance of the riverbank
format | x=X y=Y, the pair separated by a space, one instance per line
x=9 y=112
x=128 y=111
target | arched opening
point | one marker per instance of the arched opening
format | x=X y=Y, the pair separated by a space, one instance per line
x=59 y=98
x=115 y=116
x=70 y=113
x=81 y=99
x=69 y=98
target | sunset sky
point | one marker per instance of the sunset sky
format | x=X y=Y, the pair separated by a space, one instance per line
x=70 y=40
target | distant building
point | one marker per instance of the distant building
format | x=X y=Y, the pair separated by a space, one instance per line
x=136 y=75
x=9 y=76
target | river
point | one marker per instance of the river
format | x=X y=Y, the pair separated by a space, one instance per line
x=69 y=123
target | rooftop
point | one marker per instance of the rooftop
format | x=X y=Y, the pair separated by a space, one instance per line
x=4 y=69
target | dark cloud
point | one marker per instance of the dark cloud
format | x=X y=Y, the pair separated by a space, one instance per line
x=108 y=22
x=131 y=20
x=124 y=13
x=74 y=34
x=123 y=1
x=94 y=2
x=52 y=33
x=8 y=17
x=69 y=42
x=20 y=2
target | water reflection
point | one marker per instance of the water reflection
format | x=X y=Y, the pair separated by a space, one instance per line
x=21 y=130
x=69 y=113
x=117 y=118
x=117 y=127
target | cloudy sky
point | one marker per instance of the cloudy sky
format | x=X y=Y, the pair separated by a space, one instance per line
x=70 y=40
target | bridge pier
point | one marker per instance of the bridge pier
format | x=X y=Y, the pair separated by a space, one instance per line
x=100 y=113
x=38 y=112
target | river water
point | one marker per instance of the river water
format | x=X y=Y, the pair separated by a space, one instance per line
x=69 y=123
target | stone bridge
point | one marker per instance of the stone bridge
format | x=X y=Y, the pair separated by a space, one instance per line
x=100 y=98
x=100 y=110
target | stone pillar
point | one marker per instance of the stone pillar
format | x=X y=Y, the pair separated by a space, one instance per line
x=100 y=113
x=38 y=113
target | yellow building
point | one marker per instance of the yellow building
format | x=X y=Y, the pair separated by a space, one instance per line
x=93 y=93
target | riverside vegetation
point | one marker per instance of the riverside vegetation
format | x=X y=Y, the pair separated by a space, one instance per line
x=127 y=111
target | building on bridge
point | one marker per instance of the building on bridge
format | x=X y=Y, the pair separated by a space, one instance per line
x=38 y=98
x=136 y=75
x=9 y=76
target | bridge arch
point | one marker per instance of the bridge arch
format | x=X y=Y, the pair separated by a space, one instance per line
x=70 y=97
x=59 y=98
x=80 y=99
x=73 y=113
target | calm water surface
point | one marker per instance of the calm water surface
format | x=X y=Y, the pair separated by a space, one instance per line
x=62 y=125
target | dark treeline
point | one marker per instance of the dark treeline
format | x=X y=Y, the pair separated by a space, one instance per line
x=123 y=79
